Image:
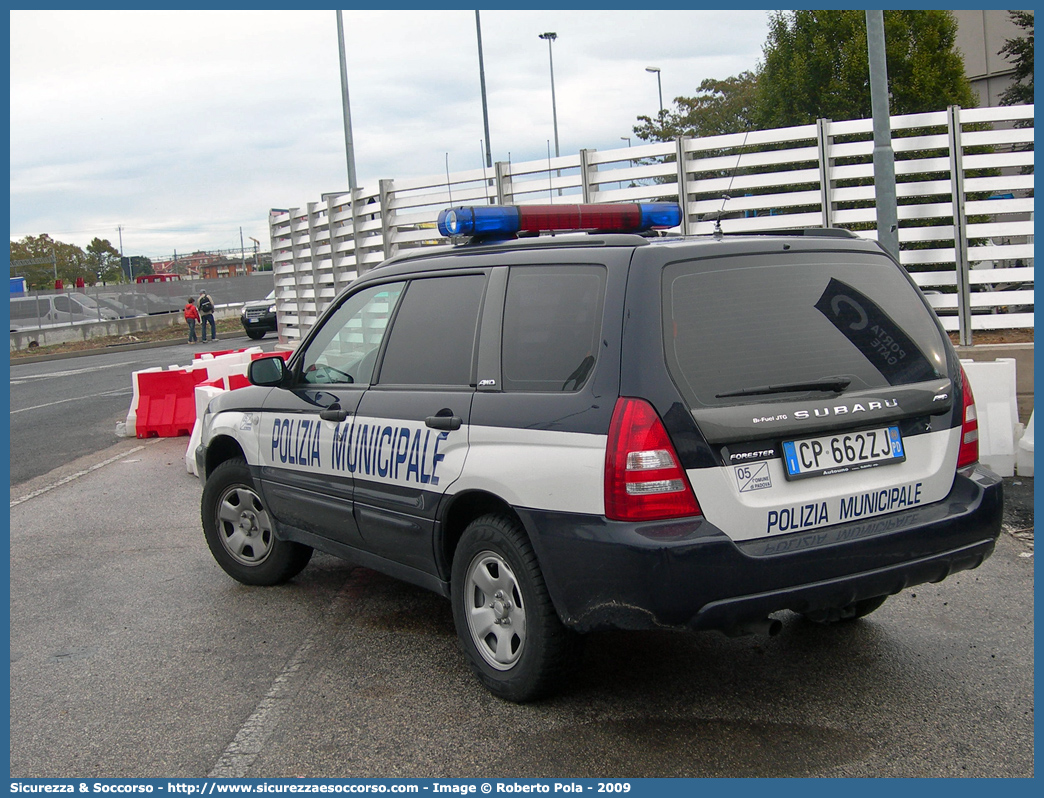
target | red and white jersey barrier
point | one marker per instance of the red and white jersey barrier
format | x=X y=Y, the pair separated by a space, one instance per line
x=170 y=402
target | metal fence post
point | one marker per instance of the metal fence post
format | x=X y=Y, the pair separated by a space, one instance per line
x=585 y=177
x=503 y=182
x=960 y=225
x=355 y=233
x=683 y=187
x=385 y=193
x=826 y=167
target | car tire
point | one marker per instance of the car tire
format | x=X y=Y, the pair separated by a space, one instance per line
x=505 y=621
x=850 y=612
x=255 y=335
x=240 y=532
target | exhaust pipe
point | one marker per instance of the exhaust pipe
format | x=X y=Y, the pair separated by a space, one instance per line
x=766 y=626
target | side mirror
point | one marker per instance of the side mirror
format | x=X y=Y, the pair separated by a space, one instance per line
x=267 y=372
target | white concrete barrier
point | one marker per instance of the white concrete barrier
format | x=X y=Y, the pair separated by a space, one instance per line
x=1024 y=456
x=993 y=384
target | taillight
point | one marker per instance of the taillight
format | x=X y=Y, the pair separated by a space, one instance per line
x=969 y=451
x=644 y=480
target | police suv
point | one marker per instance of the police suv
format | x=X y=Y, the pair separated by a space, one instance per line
x=612 y=428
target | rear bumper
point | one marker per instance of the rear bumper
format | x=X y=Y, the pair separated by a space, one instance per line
x=688 y=574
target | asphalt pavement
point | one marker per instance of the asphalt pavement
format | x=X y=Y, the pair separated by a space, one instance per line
x=133 y=654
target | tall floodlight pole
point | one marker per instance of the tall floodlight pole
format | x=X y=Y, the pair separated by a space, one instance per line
x=482 y=87
x=550 y=37
x=130 y=268
x=349 y=146
x=659 y=86
x=884 y=159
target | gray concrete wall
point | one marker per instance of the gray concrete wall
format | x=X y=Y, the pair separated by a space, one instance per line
x=100 y=329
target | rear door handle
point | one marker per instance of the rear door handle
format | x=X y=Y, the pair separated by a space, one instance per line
x=448 y=423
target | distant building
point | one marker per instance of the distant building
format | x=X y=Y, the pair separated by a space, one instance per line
x=980 y=36
x=225 y=267
x=190 y=265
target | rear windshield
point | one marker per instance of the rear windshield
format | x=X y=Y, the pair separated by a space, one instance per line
x=739 y=324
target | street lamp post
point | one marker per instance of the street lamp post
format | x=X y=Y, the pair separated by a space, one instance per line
x=482 y=88
x=550 y=37
x=349 y=144
x=659 y=87
x=629 y=162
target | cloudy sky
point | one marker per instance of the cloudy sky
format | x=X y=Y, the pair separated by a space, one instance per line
x=181 y=127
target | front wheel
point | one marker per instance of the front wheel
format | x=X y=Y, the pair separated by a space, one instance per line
x=256 y=335
x=240 y=533
x=504 y=617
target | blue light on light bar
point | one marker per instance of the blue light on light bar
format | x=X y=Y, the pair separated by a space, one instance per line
x=659 y=215
x=479 y=220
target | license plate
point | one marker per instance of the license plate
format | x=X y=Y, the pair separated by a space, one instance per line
x=839 y=454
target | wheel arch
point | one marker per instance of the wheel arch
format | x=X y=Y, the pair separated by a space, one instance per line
x=220 y=449
x=457 y=513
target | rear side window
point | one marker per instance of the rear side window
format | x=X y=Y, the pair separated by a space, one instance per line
x=736 y=324
x=552 y=324
x=432 y=340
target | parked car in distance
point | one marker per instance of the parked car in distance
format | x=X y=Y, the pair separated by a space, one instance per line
x=46 y=310
x=260 y=317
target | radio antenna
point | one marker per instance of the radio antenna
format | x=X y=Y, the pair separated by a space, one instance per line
x=485 y=178
x=725 y=196
x=449 y=188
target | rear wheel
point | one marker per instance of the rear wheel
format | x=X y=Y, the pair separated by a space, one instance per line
x=240 y=533
x=504 y=617
x=850 y=612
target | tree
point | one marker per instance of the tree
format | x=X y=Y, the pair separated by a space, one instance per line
x=104 y=261
x=69 y=260
x=1020 y=52
x=815 y=66
x=720 y=106
x=139 y=263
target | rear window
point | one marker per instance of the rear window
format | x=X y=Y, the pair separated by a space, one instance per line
x=738 y=324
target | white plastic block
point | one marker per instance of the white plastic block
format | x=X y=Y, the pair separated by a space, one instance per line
x=190 y=453
x=997 y=438
x=203 y=395
x=1024 y=456
x=993 y=384
x=131 y=425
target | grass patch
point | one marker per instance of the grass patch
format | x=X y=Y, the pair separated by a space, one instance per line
x=178 y=332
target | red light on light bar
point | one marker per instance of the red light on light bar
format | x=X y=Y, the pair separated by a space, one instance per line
x=541 y=218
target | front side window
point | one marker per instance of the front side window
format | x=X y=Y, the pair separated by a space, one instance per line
x=433 y=338
x=552 y=324
x=344 y=351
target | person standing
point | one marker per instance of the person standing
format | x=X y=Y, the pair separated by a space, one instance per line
x=206 y=315
x=191 y=316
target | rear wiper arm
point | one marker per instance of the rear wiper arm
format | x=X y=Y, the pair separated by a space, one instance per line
x=835 y=384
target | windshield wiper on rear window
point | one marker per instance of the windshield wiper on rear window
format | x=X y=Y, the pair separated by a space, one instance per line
x=835 y=384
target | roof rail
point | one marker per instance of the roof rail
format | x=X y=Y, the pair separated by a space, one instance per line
x=814 y=232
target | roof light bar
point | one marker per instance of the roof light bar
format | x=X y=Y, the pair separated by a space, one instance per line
x=506 y=220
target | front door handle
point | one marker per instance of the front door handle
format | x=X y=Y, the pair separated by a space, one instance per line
x=333 y=413
x=444 y=422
